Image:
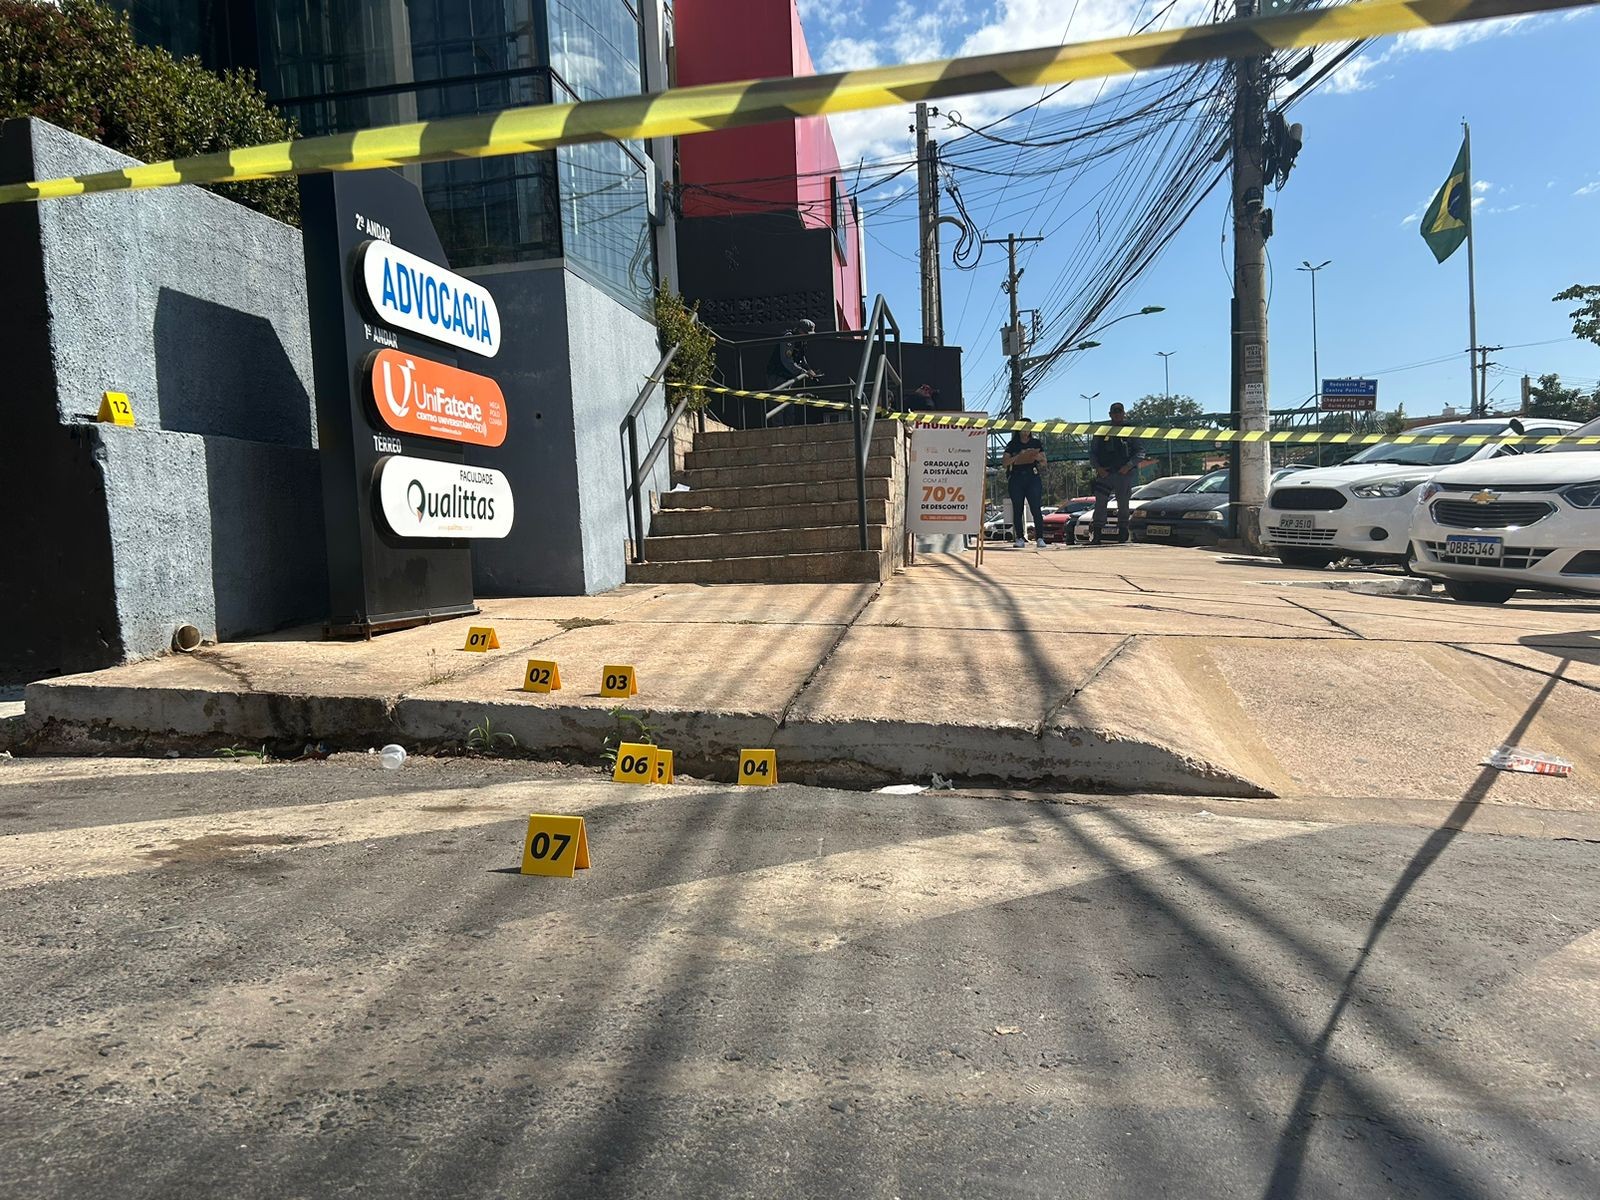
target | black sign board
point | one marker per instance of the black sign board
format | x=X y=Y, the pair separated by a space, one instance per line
x=377 y=579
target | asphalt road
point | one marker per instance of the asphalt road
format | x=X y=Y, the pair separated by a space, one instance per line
x=322 y=980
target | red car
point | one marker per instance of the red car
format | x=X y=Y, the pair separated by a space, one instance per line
x=1058 y=523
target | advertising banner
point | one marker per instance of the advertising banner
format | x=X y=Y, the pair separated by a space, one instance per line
x=947 y=477
x=423 y=498
x=419 y=396
x=407 y=291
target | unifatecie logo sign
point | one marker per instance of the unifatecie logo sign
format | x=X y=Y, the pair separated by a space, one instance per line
x=415 y=395
x=421 y=498
x=408 y=292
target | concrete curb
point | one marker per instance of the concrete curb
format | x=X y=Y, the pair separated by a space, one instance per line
x=89 y=719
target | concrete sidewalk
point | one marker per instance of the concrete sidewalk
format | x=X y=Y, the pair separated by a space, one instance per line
x=1133 y=668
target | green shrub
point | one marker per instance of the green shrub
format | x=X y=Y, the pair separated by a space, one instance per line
x=77 y=65
x=697 y=346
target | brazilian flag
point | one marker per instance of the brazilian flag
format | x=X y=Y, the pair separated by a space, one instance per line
x=1449 y=218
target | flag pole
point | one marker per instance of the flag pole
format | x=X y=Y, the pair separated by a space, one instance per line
x=1472 y=287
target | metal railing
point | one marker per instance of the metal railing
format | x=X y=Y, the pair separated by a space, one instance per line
x=877 y=332
x=630 y=429
x=864 y=404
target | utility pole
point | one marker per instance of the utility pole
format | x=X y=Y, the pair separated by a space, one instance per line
x=1527 y=389
x=1482 y=379
x=1251 y=224
x=927 y=231
x=1011 y=341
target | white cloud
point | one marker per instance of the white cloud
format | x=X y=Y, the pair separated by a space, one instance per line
x=1588 y=189
x=1412 y=219
x=923 y=30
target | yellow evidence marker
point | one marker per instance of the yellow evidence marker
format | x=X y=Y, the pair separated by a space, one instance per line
x=636 y=763
x=663 y=766
x=758 y=768
x=115 y=408
x=618 y=681
x=555 y=846
x=541 y=676
x=481 y=638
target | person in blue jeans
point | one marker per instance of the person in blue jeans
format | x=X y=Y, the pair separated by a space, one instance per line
x=1025 y=459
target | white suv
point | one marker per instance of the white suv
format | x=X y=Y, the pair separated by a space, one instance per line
x=1362 y=508
x=1488 y=528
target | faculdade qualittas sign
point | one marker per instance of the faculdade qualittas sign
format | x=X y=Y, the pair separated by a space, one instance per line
x=422 y=498
x=411 y=293
x=947 y=479
x=415 y=395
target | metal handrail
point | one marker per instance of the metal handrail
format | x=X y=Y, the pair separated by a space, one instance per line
x=877 y=331
x=635 y=482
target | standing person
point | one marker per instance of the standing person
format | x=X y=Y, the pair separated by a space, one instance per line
x=1025 y=459
x=1114 y=460
x=788 y=364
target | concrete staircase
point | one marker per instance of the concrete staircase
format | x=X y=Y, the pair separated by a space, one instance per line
x=779 y=506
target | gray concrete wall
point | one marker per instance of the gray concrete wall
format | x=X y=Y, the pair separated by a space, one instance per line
x=571 y=363
x=208 y=510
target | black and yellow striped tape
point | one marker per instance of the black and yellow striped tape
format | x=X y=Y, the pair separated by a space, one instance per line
x=1158 y=433
x=682 y=111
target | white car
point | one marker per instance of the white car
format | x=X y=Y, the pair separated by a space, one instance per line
x=1532 y=521
x=1362 y=508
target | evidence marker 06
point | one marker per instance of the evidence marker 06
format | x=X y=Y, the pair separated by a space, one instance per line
x=408 y=292
x=421 y=498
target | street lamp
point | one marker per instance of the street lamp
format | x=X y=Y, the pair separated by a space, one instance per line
x=1040 y=359
x=1166 y=375
x=1316 y=362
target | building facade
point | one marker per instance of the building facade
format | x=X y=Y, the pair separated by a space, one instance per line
x=571 y=243
x=768 y=230
x=353 y=64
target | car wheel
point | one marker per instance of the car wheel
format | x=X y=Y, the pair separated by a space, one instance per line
x=1314 y=560
x=1472 y=592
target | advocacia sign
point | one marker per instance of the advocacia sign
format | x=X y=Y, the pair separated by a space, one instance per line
x=408 y=292
x=423 y=498
x=418 y=396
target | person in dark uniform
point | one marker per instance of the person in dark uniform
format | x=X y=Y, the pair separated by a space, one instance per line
x=1025 y=459
x=1114 y=459
x=788 y=364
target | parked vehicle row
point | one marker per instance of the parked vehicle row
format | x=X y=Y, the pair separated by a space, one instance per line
x=1485 y=518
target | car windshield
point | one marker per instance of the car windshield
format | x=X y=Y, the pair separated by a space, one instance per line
x=1592 y=429
x=1161 y=487
x=1217 y=481
x=1414 y=455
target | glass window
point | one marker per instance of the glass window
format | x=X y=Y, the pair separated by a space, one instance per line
x=350 y=64
x=596 y=47
x=605 y=225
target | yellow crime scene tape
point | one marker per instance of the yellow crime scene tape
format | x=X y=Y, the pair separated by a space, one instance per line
x=690 y=110
x=1161 y=433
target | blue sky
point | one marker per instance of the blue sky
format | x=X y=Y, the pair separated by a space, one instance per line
x=1379 y=139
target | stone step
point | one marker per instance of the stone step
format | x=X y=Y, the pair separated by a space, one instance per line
x=878 y=467
x=831 y=450
x=761 y=542
x=778 y=435
x=767 y=495
x=677 y=522
x=851 y=566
